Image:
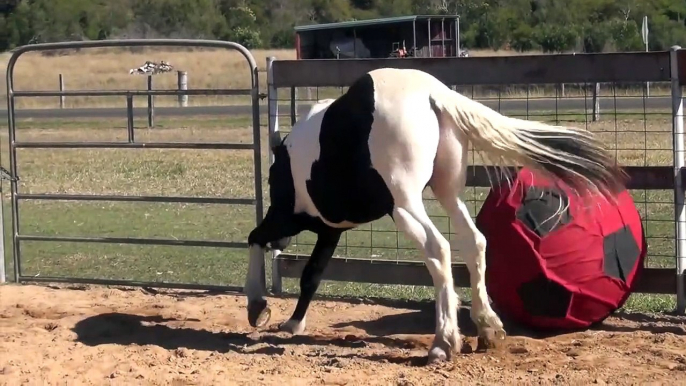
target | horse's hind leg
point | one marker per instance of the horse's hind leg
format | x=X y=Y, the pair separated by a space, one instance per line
x=472 y=247
x=411 y=218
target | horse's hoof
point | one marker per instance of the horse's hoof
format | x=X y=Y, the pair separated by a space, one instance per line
x=293 y=327
x=437 y=355
x=488 y=339
x=258 y=313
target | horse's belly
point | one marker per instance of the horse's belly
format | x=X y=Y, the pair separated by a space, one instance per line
x=351 y=196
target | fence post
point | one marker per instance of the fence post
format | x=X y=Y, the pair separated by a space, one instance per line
x=3 y=274
x=182 y=81
x=596 y=102
x=274 y=139
x=129 y=118
x=294 y=105
x=62 y=97
x=679 y=163
x=151 y=104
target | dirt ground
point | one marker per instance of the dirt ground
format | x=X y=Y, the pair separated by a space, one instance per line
x=98 y=335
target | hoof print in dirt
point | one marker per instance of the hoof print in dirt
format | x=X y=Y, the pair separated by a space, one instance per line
x=490 y=340
x=466 y=347
x=273 y=328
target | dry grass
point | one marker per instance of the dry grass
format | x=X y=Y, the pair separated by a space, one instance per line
x=207 y=68
x=109 y=69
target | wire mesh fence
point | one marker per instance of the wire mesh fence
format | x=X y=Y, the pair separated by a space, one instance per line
x=635 y=120
x=636 y=127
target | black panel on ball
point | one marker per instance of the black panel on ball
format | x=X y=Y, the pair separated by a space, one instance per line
x=544 y=297
x=544 y=210
x=621 y=253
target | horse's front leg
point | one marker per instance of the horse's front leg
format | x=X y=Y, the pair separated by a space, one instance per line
x=255 y=287
x=311 y=277
x=275 y=231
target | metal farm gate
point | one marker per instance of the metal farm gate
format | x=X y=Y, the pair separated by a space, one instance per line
x=376 y=254
x=18 y=237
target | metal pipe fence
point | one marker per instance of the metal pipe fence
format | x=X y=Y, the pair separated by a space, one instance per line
x=19 y=238
x=645 y=133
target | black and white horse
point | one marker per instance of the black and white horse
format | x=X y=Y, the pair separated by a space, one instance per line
x=372 y=151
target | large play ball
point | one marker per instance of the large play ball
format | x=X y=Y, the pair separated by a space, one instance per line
x=555 y=260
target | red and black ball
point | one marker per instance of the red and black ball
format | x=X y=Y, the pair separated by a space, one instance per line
x=554 y=260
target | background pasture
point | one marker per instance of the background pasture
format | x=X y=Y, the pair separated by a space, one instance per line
x=639 y=137
x=206 y=68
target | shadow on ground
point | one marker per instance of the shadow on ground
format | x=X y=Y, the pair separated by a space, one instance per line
x=422 y=322
x=128 y=329
x=413 y=329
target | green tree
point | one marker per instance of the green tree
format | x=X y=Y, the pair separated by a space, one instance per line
x=625 y=35
x=19 y=28
x=555 y=38
x=179 y=18
x=330 y=11
x=242 y=27
x=524 y=38
x=595 y=36
x=550 y=25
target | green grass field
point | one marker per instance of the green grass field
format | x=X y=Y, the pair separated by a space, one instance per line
x=222 y=173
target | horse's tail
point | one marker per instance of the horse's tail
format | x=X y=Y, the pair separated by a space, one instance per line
x=572 y=155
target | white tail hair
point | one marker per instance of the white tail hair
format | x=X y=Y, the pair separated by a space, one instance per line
x=570 y=154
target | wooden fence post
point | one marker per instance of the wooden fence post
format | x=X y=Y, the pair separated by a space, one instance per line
x=62 y=97
x=182 y=81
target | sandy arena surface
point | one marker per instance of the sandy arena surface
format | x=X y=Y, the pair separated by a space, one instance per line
x=97 y=335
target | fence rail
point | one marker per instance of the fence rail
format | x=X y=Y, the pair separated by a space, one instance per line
x=647 y=178
x=552 y=69
x=131 y=143
x=653 y=151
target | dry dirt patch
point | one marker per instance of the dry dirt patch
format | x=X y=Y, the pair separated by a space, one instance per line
x=99 y=335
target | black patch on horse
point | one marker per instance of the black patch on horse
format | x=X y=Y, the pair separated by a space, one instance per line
x=279 y=223
x=343 y=185
x=281 y=187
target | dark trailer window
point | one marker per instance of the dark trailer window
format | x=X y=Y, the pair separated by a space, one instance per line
x=420 y=36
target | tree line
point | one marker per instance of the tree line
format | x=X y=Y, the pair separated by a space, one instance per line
x=522 y=25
